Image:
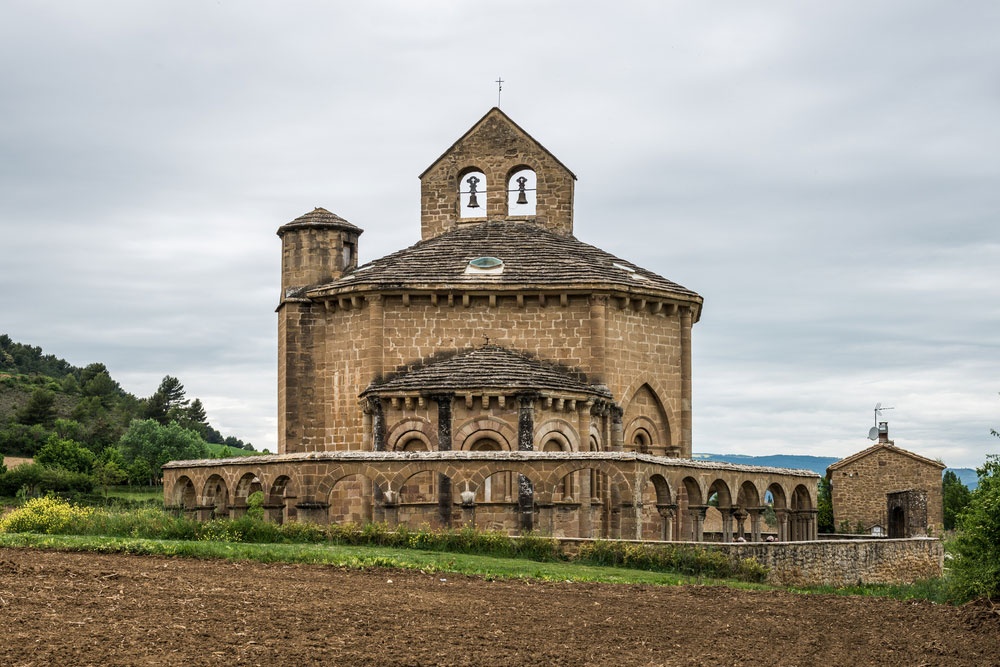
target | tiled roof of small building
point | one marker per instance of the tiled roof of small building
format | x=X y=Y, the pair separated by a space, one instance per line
x=887 y=446
x=320 y=217
x=531 y=255
x=484 y=368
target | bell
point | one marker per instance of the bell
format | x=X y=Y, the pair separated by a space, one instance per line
x=522 y=196
x=473 y=202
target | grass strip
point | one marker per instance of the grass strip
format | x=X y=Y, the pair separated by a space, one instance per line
x=358 y=558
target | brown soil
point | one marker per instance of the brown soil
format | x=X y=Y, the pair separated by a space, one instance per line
x=79 y=609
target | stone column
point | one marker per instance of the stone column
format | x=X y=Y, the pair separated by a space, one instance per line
x=445 y=502
x=584 y=498
x=598 y=338
x=378 y=423
x=526 y=443
x=376 y=338
x=390 y=509
x=685 y=436
x=697 y=514
x=727 y=523
x=782 y=516
x=546 y=517
x=617 y=431
x=667 y=513
x=314 y=511
x=274 y=512
x=755 y=515
x=741 y=517
x=638 y=482
x=366 y=426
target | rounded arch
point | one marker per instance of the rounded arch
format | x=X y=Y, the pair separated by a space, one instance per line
x=184 y=493
x=406 y=429
x=216 y=493
x=594 y=439
x=566 y=434
x=748 y=496
x=663 y=494
x=522 y=186
x=280 y=488
x=478 y=427
x=693 y=491
x=420 y=486
x=801 y=498
x=412 y=441
x=779 y=499
x=247 y=484
x=472 y=189
x=719 y=488
x=337 y=473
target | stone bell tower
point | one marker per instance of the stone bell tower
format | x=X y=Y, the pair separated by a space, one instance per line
x=496 y=171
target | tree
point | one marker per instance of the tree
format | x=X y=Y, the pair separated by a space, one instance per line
x=40 y=409
x=975 y=564
x=155 y=444
x=168 y=402
x=66 y=454
x=955 y=495
x=3 y=467
x=824 y=506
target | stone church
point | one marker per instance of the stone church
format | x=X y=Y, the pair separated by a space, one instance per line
x=500 y=373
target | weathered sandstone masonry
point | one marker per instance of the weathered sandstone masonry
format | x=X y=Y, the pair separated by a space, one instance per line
x=565 y=494
x=835 y=562
x=499 y=373
x=870 y=487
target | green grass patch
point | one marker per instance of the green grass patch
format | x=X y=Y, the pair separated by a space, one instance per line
x=354 y=557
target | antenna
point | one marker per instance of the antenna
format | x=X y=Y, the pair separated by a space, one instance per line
x=878 y=411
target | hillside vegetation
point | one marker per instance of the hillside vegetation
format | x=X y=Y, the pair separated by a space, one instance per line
x=83 y=430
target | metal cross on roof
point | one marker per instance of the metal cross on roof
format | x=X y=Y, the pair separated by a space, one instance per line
x=499 y=83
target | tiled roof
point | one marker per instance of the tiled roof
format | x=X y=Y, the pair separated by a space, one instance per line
x=531 y=255
x=888 y=447
x=319 y=217
x=485 y=368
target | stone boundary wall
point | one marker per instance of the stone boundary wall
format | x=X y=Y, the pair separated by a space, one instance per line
x=830 y=562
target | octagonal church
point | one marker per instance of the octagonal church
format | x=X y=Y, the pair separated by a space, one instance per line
x=499 y=373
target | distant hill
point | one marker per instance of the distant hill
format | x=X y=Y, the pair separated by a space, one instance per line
x=41 y=393
x=817 y=464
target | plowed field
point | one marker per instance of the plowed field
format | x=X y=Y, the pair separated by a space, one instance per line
x=87 y=609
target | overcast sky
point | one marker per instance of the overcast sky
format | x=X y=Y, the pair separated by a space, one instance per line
x=826 y=175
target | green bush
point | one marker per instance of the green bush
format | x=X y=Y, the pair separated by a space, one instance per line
x=35 y=479
x=975 y=551
x=692 y=561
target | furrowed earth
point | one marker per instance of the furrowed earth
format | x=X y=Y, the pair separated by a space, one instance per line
x=83 y=609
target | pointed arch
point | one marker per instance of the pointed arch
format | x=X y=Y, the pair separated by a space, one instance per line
x=647 y=423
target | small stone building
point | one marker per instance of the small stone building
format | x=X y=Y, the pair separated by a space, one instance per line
x=499 y=372
x=887 y=491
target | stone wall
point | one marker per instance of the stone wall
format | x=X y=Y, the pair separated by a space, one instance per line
x=833 y=562
x=330 y=351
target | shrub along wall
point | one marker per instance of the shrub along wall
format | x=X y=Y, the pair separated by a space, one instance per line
x=831 y=562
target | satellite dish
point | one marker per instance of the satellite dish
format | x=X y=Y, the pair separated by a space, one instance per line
x=873 y=433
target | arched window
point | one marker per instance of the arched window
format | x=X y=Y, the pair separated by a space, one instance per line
x=472 y=195
x=641 y=441
x=521 y=193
